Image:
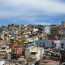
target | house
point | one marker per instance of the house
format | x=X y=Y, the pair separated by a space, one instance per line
x=35 y=53
x=34 y=30
x=46 y=29
x=63 y=24
x=56 y=31
x=5 y=53
x=32 y=39
x=51 y=43
x=52 y=37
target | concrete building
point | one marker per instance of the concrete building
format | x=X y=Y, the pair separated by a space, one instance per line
x=35 y=53
x=5 y=53
x=46 y=29
x=63 y=24
x=52 y=43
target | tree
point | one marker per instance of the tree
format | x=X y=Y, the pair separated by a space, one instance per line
x=5 y=34
x=0 y=38
x=37 y=62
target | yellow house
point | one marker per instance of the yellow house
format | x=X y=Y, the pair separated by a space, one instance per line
x=18 y=41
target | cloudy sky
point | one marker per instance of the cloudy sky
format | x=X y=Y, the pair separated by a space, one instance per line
x=32 y=12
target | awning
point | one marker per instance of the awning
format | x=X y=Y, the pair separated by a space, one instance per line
x=34 y=50
x=51 y=51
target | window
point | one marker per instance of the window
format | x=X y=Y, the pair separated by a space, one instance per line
x=3 y=47
x=43 y=44
x=62 y=45
x=52 y=43
x=40 y=43
x=33 y=53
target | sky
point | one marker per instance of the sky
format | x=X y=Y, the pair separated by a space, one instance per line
x=41 y=12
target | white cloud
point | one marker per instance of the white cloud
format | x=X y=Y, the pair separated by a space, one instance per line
x=47 y=6
x=30 y=9
x=41 y=23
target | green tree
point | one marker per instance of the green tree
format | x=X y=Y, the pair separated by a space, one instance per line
x=37 y=62
x=5 y=34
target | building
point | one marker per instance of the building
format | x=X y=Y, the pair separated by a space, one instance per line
x=52 y=43
x=45 y=43
x=52 y=37
x=63 y=30
x=63 y=24
x=34 y=30
x=4 y=53
x=46 y=29
x=32 y=39
x=35 y=53
x=52 y=26
x=56 y=31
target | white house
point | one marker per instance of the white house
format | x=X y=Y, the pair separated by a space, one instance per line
x=32 y=39
x=35 y=53
x=35 y=30
x=46 y=29
x=52 y=43
x=45 y=43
